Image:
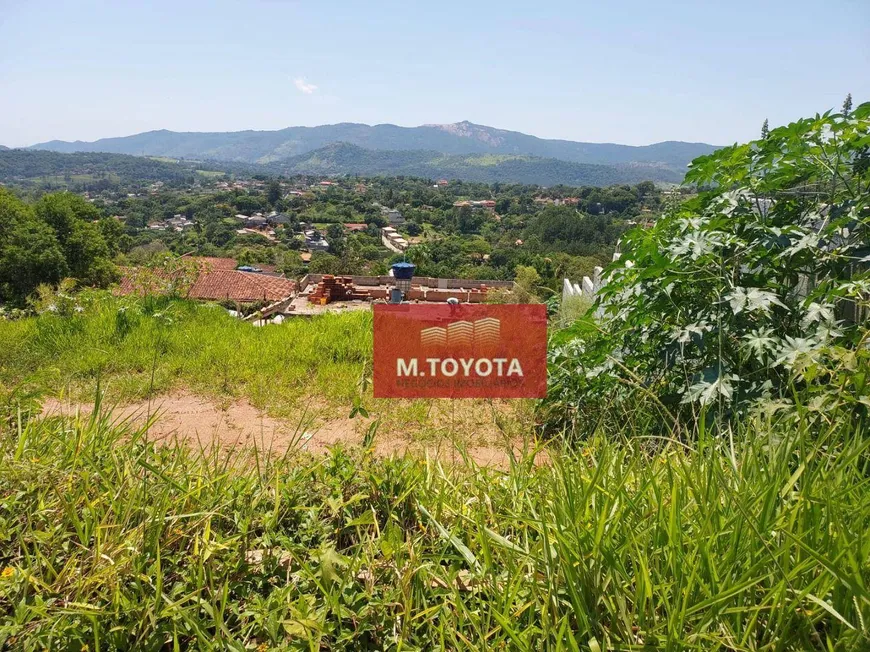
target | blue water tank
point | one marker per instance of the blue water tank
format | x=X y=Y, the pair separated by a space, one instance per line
x=403 y=271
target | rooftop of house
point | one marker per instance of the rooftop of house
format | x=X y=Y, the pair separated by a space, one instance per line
x=227 y=285
x=244 y=287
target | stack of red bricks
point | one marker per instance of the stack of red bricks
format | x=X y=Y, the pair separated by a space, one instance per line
x=334 y=288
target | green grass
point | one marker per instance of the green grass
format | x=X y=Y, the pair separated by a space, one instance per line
x=571 y=309
x=111 y=542
x=145 y=348
x=755 y=540
x=140 y=349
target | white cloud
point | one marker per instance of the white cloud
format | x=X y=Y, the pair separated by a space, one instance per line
x=304 y=86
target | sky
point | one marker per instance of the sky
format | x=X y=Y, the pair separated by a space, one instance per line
x=624 y=71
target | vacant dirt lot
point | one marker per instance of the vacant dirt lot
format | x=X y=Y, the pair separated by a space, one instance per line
x=203 y=422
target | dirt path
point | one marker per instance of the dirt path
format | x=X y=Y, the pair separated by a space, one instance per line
x=200 y=421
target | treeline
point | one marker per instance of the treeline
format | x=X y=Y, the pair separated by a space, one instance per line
x=91 y=170
x=59 y=236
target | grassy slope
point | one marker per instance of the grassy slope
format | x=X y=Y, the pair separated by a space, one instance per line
x=142 y=353
x=140 y=350
x=107 y=541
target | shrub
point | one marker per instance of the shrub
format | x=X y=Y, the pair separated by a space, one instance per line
x=729 y=297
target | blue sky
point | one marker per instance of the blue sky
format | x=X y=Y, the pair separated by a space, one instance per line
x=631 y=71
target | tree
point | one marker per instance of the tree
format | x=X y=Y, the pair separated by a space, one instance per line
x=113 y=234
x=847 y=106
x=336 y=239
x=220 y=232
x=247 y=256
x=88 y=256
x=324 y=263
x=765 y=130
x=30 y=254
x=73 y=221
x=561 y=228
x=248 y=204
x=273 y=192
x=528 y=281
x=64 y=211
x=468 y=220
x=646 y=188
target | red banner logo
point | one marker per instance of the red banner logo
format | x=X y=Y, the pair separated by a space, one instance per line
x=460 y=351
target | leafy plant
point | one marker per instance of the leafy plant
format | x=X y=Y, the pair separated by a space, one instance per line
x=726 y=298
x=60 y=301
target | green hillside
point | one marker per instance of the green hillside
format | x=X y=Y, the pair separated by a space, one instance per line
x=343 y=158
x=22 y=165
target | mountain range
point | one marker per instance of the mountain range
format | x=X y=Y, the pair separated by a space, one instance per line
x=459 y=150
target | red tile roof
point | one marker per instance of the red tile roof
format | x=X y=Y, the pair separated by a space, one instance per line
x=230 y=285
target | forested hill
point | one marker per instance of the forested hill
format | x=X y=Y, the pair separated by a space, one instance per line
x=337 y=159
x=343 y=158
x=456 y=138
x=18 y=165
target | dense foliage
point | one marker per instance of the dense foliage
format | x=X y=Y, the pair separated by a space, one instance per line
x=752 y=291
x=59 y=236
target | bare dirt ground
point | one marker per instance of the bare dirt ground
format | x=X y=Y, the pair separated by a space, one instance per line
x=203 y=422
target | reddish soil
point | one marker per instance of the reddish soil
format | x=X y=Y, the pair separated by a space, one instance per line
x=198 y=421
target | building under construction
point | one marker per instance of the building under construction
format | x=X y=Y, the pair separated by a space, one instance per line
x=323 y=289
